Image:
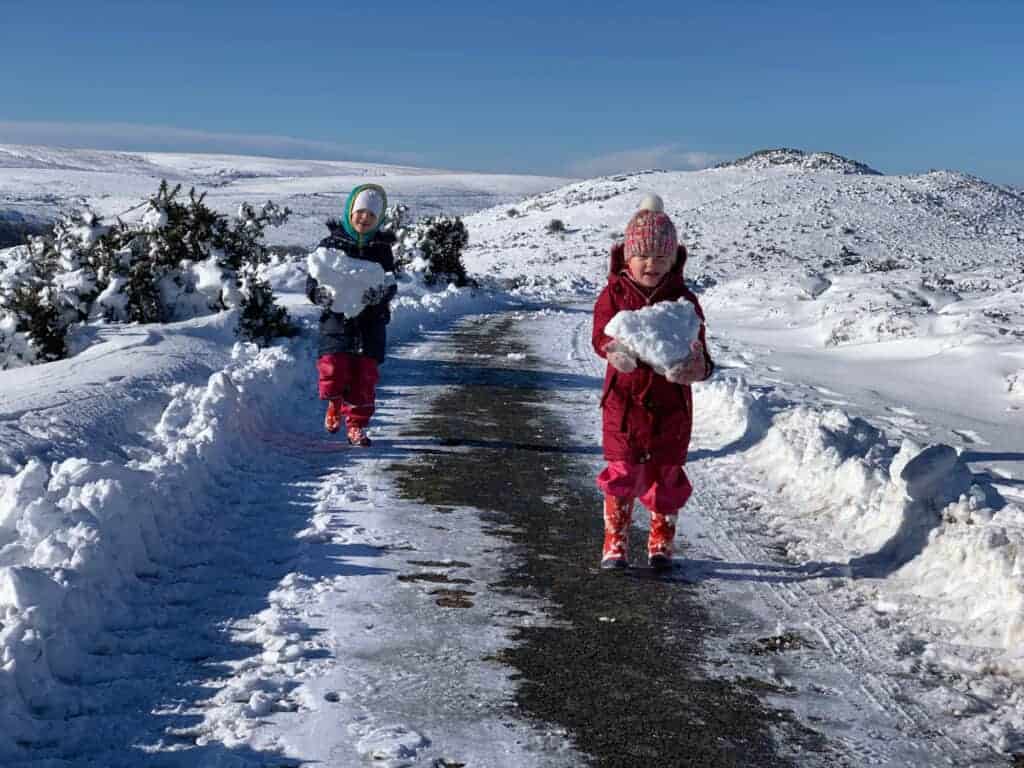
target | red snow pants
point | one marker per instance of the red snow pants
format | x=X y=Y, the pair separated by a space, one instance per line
x=351 y=381
x=662 y=488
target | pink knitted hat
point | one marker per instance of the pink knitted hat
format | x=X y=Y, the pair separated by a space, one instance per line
x=650 y=233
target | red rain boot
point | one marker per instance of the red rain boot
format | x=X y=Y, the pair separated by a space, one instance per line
x=332 y=419
x=618 y=513
x=357 y=436
x=659 y=542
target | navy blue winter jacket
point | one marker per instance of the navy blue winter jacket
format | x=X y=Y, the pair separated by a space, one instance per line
x=366 y=333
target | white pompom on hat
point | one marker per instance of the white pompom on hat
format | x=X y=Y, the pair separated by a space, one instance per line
x=369 y=200
x=652 y=202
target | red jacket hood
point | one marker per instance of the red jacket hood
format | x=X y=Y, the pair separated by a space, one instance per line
x=618 y=259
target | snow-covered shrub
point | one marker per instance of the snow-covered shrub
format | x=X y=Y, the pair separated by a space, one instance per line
x=436 y=250
x=15 y=347
x=555 y=226
x=396 y=221
x=52 y=282
x=32 y=330
x=181 y=260
x=261 y=319
x=246 y=257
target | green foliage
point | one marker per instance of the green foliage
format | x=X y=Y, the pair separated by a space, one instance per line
x=41 y=322
x=261 y=320
x=441 y=240
x=183 y=259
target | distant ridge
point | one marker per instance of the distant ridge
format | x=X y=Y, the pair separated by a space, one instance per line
x=816 y=161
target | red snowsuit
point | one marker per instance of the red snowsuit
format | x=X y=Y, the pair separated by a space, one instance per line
x=351 y=380
x=646 y=419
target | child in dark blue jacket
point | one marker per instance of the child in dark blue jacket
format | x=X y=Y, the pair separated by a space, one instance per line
x=351 y=348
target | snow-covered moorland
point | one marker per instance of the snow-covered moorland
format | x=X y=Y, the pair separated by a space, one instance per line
x=865 y=422
x=40 y=183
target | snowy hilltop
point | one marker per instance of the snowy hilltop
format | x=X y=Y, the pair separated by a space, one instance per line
x=796 y=158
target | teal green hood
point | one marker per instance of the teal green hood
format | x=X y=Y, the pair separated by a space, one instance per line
x=346 y=219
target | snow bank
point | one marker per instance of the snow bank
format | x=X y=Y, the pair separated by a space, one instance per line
x=76 y=534
x=660 y=334
x=913 y=518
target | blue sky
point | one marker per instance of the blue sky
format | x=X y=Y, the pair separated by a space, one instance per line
x=527 y=86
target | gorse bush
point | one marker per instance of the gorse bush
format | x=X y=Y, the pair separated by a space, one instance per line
x=181 y=260
x=437 y=243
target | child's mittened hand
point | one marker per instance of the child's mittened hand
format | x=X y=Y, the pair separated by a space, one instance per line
x=373 y=296
x=693 y=368
x=324 y=296
x=619 y=358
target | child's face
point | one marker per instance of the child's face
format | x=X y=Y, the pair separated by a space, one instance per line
x=363 y=220
x=648 y=270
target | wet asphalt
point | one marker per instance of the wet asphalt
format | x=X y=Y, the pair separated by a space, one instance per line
x=623 y=665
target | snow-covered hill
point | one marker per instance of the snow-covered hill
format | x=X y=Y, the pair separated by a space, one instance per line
x=43 y=182
x=904 y=290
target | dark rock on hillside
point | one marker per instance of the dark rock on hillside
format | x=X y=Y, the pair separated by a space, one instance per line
x=815 y=161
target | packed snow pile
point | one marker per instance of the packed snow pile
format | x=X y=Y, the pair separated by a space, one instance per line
x=916 y=520
x=660 y=334
x=354 y=284
x=75 y=533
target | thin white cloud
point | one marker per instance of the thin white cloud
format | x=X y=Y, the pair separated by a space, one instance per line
x=159 y=138
x=670 y=157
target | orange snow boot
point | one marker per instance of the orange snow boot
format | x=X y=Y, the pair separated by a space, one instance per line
x=618 y=513
x=332 y=420
x=660 y=539
x=357 y=436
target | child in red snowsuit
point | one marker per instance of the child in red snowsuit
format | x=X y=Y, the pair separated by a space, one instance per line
x=351 y=348
x=646 y=417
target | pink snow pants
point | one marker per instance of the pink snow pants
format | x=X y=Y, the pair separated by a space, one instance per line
x=663 y=488
x=351 y=380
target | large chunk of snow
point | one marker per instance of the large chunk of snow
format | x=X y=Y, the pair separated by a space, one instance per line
x=660 y=334
x=353 y=282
